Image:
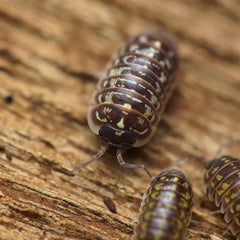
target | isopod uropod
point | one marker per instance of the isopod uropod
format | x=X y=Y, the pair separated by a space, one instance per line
x=166 y=207
x=222 y=180
x=129 y=101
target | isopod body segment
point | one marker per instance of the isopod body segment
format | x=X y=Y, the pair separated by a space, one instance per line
x=166 y=207
x=222 y=180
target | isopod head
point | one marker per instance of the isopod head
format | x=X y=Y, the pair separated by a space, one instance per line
x=116 y=137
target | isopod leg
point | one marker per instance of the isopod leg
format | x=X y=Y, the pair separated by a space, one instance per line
x=129 y=165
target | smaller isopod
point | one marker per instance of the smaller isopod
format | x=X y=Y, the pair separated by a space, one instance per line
x=222 y=180
x=222 y=183
x=166 y=207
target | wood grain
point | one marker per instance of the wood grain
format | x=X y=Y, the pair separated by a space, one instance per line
x=51 y=56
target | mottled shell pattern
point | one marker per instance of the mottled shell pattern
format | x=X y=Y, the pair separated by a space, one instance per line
x=222 y=180
x=166 y=207
x=133 y=94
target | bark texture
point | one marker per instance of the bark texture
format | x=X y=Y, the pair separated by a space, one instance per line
x=51 y=55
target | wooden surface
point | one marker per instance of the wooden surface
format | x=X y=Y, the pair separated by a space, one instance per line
x=51 y=55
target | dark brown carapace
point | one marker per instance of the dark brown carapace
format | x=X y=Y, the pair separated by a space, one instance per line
x=166 y=207
x=130 y=99
x=222 y=179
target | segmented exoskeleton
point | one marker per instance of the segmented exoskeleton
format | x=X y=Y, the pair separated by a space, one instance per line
x=130 y=99
x=222 y=179
x=166 y=207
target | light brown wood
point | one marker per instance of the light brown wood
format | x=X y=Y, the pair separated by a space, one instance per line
x=51 y=55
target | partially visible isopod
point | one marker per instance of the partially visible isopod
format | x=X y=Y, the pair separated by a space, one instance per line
x=222 y=180
x=166 y=207
x=128 y=105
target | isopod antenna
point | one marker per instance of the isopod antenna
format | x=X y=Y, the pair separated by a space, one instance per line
x=226 y=144
x=95 y=157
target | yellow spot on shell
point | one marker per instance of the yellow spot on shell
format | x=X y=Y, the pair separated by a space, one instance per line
x=136 y=100
x=143 y=39
x=171 y=196
x=185 y=184
x=133 y=47
x=183 y=203
x=219 y=177
x=176 y=179
x=117 y=71
x=151 y=204
x=154 y=195
x=157 y=44
x=237 y=221
x=168 y=64
x=100 y=98
x=227 y=200
x=186 y=195
x=105 y=83
x=140 y=120
x=100 y=119
x=144 y=226
x=223 y=188
x=176 y=236
x=215 y=169
x=113 y=82
x=212 y=184
x=149 y=215
x=140 y=133
x=127 y=105
x=207 y=175
x=120 y=124
x=163 y=78
x=164 y=215
x=182 y=214
x=234 y=195
x=153 y=51
x=238 y=208
x=118 y=133
x=179 y=224
x=158 y=186
x=150 y=190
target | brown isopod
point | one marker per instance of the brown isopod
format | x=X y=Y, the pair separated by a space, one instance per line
x=166 y=207
x=222 y=182
x=129 y=102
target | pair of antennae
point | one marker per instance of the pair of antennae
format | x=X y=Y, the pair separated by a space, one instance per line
x=121 y=161
x=119 y=153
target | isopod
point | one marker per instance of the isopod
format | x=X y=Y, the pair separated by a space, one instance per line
x=128 y=104
x=166 y=207
x=222 y=180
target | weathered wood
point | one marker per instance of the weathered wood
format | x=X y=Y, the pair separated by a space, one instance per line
x=51 y=53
